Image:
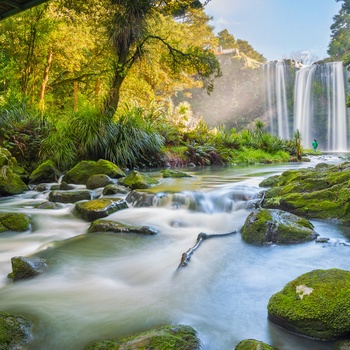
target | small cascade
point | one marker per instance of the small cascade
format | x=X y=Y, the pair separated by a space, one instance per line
x=275 y=74
x=318 y=103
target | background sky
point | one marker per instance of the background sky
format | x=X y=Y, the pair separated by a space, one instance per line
x=277 y=28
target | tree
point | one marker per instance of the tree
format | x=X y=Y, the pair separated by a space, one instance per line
x=248 y=50
x=226 y=40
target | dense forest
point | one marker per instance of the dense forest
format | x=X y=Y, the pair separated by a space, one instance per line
x=102 y=79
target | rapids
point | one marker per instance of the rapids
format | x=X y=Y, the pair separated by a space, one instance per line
x=105 y=285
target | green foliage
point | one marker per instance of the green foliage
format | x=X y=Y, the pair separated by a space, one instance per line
x=226 y=40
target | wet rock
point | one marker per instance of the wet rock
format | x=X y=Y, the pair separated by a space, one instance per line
x=99 y=208
x=10 y=183
x=318 y=193
x=140 y=199
x=63 y=186
x=15 y=331
x=23 y=268
x=343 y=345
x=270 y=181
x=114 y=189
x=16 y=222
x=70 y=196
x=252 y=344
x=177 y=337
x=174 y=174
x=322 y=240
x=48 y=205
x=117 y=227
x=83 y=170
x=276 y=226
x=40 y=188
x=98 y=180
x=137 y=180
x=45 y=172
x=316 y=304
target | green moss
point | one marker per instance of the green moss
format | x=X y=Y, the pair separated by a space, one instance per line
x=251 y=344
x=10 y=183
x=45 y=172
x=17 y=222
x=137 y=180
x=322 y=313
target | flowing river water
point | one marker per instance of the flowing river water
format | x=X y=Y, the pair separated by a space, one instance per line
x=107 y=285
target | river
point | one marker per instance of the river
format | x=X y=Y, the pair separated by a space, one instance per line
x=105 y=285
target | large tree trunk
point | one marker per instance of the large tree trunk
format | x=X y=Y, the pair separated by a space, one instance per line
x=45 y=79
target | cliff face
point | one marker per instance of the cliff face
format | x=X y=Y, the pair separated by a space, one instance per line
x=238 y=97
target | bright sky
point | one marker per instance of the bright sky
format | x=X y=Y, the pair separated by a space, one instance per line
x=277 y=28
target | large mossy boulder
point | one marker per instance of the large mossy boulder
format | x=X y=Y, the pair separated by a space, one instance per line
x=177 y=337
x=322 y=192
x=97 y=181
x=117 y=227
x=23 y=267
x=99 y=208
x=69 y=196
x=138 y=180
x=83 y=170
x=16 y=222
x=10 y=182
x=276 y=226
x=252 y=344
x=316 y=304
x=45 y=172
x=15 y=331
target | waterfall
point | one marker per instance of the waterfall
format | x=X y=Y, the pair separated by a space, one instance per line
x=276 y=87
x=319 y=103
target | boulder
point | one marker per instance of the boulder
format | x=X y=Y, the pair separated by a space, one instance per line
x=48 y=205
x=69 y=196
x=316 y=193
x=315 y=304
x=137 y=180
x=252 y=344
x=99 y=208
x=10 y=183
x=276 y=226
x=97 y=181
x=174 y=174
x=16 y=222
x=83 y=170
x=15 y=331
x=45 y=172
x=63 y=186
x=117 y=227
x=23 y=268
x=177 y=337
x=114 y=189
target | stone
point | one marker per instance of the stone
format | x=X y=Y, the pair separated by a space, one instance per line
x=138 y=180
x=83 y=170
x=70 y=196
x=16 y=222
x=114 y=189
x=178 y=337
x=252 y=344
x=23 y=268
x=10 y=183
x=315 y=304
x=97 y=181
x=276 y=226
x=46 y=172
x=99 y=208
x=117 y=227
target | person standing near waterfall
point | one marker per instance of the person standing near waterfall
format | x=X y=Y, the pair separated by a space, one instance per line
x=314 y=145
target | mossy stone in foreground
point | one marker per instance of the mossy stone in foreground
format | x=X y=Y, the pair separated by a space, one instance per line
x=137 y=180
x=316 y=304
x=252 y=344
x=177 y=337
x=15 y=331
x=276 y=226
x=83 y=170
x=16 y=222
x=23 y=267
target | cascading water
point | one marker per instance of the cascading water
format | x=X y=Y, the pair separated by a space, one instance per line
x=319 y=103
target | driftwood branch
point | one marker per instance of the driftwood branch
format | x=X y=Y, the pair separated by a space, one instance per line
x=185 y=258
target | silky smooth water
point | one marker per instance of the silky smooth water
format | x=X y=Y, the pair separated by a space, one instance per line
x=106 y=285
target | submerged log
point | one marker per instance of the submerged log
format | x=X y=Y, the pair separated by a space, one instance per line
x=185 y=257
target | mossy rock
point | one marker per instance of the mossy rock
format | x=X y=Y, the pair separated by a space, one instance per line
x=63 y=186
x=69 y=196
x=177 y=337
x=270 y=181
x=117 y=227
x=137 y=180
x=10 y=183
x=174 y=174
x=47 y=205
x=276 y=226
x=252 y=344
x=45 y=172
x=115 y=189
x=314 y=193
x=83 y=170
x=97 y=181
x=16 y=222
x=23 y=267
x=316 y=304
x=15 y=331
x=99 y=208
